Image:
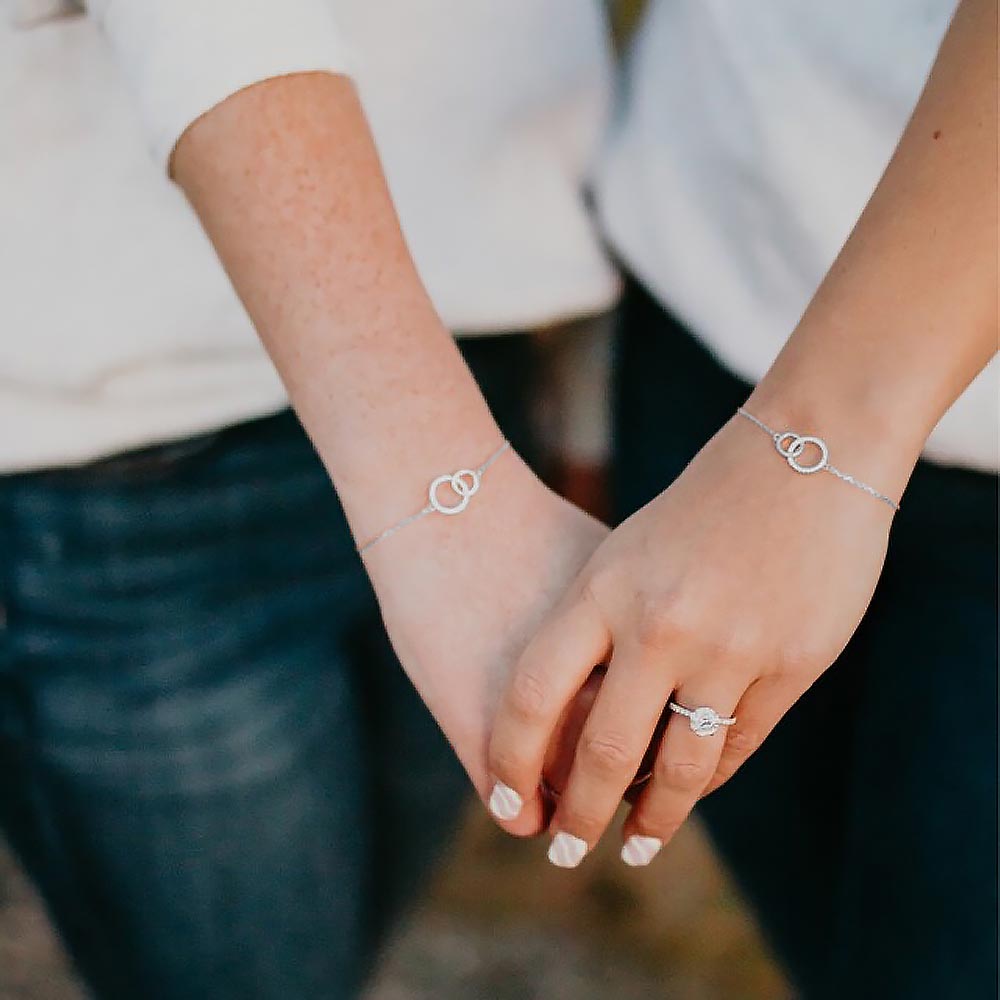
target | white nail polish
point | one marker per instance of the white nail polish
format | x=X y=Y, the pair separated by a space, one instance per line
x=505 y=803
x=637 y=852
x=567 y=851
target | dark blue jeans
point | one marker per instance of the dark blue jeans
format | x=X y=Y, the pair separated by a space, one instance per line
x=864 y=831
x=211 y=763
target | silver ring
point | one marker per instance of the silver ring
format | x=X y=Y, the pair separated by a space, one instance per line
x=704 y=721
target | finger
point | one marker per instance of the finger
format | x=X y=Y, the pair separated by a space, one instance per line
x=684 y=766
x=758 y=712
x=555 y=665
x=610 y=750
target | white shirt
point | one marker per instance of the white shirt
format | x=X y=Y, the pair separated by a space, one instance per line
x=751 y=137
x=120 y=328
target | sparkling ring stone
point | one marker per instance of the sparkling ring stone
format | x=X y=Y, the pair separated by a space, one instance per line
x=704 y=721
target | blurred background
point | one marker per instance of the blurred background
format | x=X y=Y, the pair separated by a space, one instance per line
x=502 y=924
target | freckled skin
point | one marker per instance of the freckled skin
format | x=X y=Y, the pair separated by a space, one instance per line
x=287 y=183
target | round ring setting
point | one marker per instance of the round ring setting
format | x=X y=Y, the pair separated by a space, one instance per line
x=464 y=483
x=793 y=452
x=704 y=721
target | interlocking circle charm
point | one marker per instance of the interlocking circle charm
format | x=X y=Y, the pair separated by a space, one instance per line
x=792 y=453
x=465 y=484
x=797 y=445
x=704 y=721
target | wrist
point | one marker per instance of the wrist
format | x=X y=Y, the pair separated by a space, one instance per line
x=843 y=376
x=391 y=475
x=388 y=414
x=458 y=510
x=867 y=437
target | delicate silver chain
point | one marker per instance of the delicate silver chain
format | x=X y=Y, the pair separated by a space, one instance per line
x=465 y=484
x=798 y=443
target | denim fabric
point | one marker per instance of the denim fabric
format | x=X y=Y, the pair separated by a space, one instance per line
x=864 y=831
x=211 y=763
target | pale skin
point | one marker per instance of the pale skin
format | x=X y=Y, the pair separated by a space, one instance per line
x=286 y=181
x=740 y=584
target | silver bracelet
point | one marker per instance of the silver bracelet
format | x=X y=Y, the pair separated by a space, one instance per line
x=796 y=444
x=464 y=484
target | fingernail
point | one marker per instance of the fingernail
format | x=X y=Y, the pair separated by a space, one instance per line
x=567 y=851
x=505 y=803
x=637 y=852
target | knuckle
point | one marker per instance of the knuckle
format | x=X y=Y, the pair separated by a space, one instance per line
x=598 y=583
x=527 y=696
x=663 y=826
x=798 y=660
x=730 y=649
x=740 y=743
x=608 y=753
x=684 y=775
x=734 y=645
x=506 y=764
x=581 y=822
x=660 y=623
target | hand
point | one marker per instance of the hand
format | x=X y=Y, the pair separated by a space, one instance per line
x=461 y=596
x=734 y=589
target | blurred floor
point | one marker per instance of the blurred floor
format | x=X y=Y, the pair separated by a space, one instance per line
x=502 y=924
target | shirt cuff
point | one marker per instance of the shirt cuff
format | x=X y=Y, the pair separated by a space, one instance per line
x=183 y=57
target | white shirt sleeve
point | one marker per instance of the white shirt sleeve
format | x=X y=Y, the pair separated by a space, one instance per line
x=182 y=57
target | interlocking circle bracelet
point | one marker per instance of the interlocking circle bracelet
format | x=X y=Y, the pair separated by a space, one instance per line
x=464 y=484
x=791 y=446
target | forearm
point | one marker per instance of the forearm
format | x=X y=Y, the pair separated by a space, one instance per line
x=286 y=181
x=907 y=316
